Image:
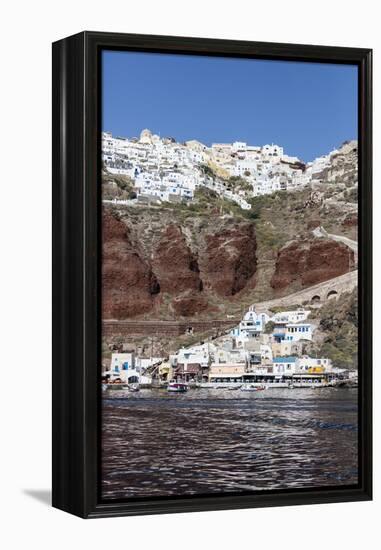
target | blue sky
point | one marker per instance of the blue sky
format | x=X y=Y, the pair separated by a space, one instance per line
x=308 y=108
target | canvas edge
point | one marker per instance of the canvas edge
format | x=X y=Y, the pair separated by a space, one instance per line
x=76 y=289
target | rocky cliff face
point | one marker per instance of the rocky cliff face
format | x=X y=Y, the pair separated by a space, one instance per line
x=128 y=283
x=337 y=333
x=176 y=267
x=166 y=267
x=175 y=264
x=343 y=165
x=230 y=259
x=305 y=263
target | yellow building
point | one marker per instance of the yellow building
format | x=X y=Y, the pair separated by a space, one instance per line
x=316 y=370
x=165 y=372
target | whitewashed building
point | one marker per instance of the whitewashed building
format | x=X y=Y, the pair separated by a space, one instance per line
x=294 y=316
x=251 y=326
x=159 y=162
x=306 y=363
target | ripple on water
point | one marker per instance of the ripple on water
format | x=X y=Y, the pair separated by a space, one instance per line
x=211 y=442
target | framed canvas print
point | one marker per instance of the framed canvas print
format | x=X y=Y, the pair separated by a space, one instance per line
x=212 y=274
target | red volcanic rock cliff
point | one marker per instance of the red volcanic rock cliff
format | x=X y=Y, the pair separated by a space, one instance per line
x=176 y=267
x=169 y=268
x=128 y=283
x=350 y=220
x=305 y=263
x=174 y=263
x=229 y=260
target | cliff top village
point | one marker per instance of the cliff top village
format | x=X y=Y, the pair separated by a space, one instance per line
x=163 y=170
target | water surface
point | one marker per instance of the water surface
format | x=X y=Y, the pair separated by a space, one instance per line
x=213 y=441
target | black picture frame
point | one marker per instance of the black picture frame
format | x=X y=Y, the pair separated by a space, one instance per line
x=76 y=271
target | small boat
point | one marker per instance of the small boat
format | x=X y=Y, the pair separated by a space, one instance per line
x=133 y=387
x=114 y=386
x=178 y=387
x=251 y=387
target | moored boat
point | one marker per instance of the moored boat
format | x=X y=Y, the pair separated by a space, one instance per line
x=178 y=387
x=252 y=387
x=114 y=386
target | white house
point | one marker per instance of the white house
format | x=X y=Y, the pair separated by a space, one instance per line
x=284 y=365
x=123 y=367
x=251 y=326
x=194 y=354
x=318 y=165
x=122 y=361
x=294 y=316
x=230 y=356
x=273 y=151
x=298 y=331
x=243 y=166
x=266 y=352
x=321 y=364
x=239 y=146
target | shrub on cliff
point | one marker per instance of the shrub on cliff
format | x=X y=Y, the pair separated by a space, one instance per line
x=207 y=171
x=339 y=326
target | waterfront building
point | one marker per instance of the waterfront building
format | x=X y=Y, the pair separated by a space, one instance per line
x=165 y=371
x=314 y=365
x=122 y=362
x=122 y=367
x=226 y=372
x=187 y=372
x=284 y=365
x=192 y=363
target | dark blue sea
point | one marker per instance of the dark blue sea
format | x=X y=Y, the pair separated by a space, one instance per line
x=214 y=441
